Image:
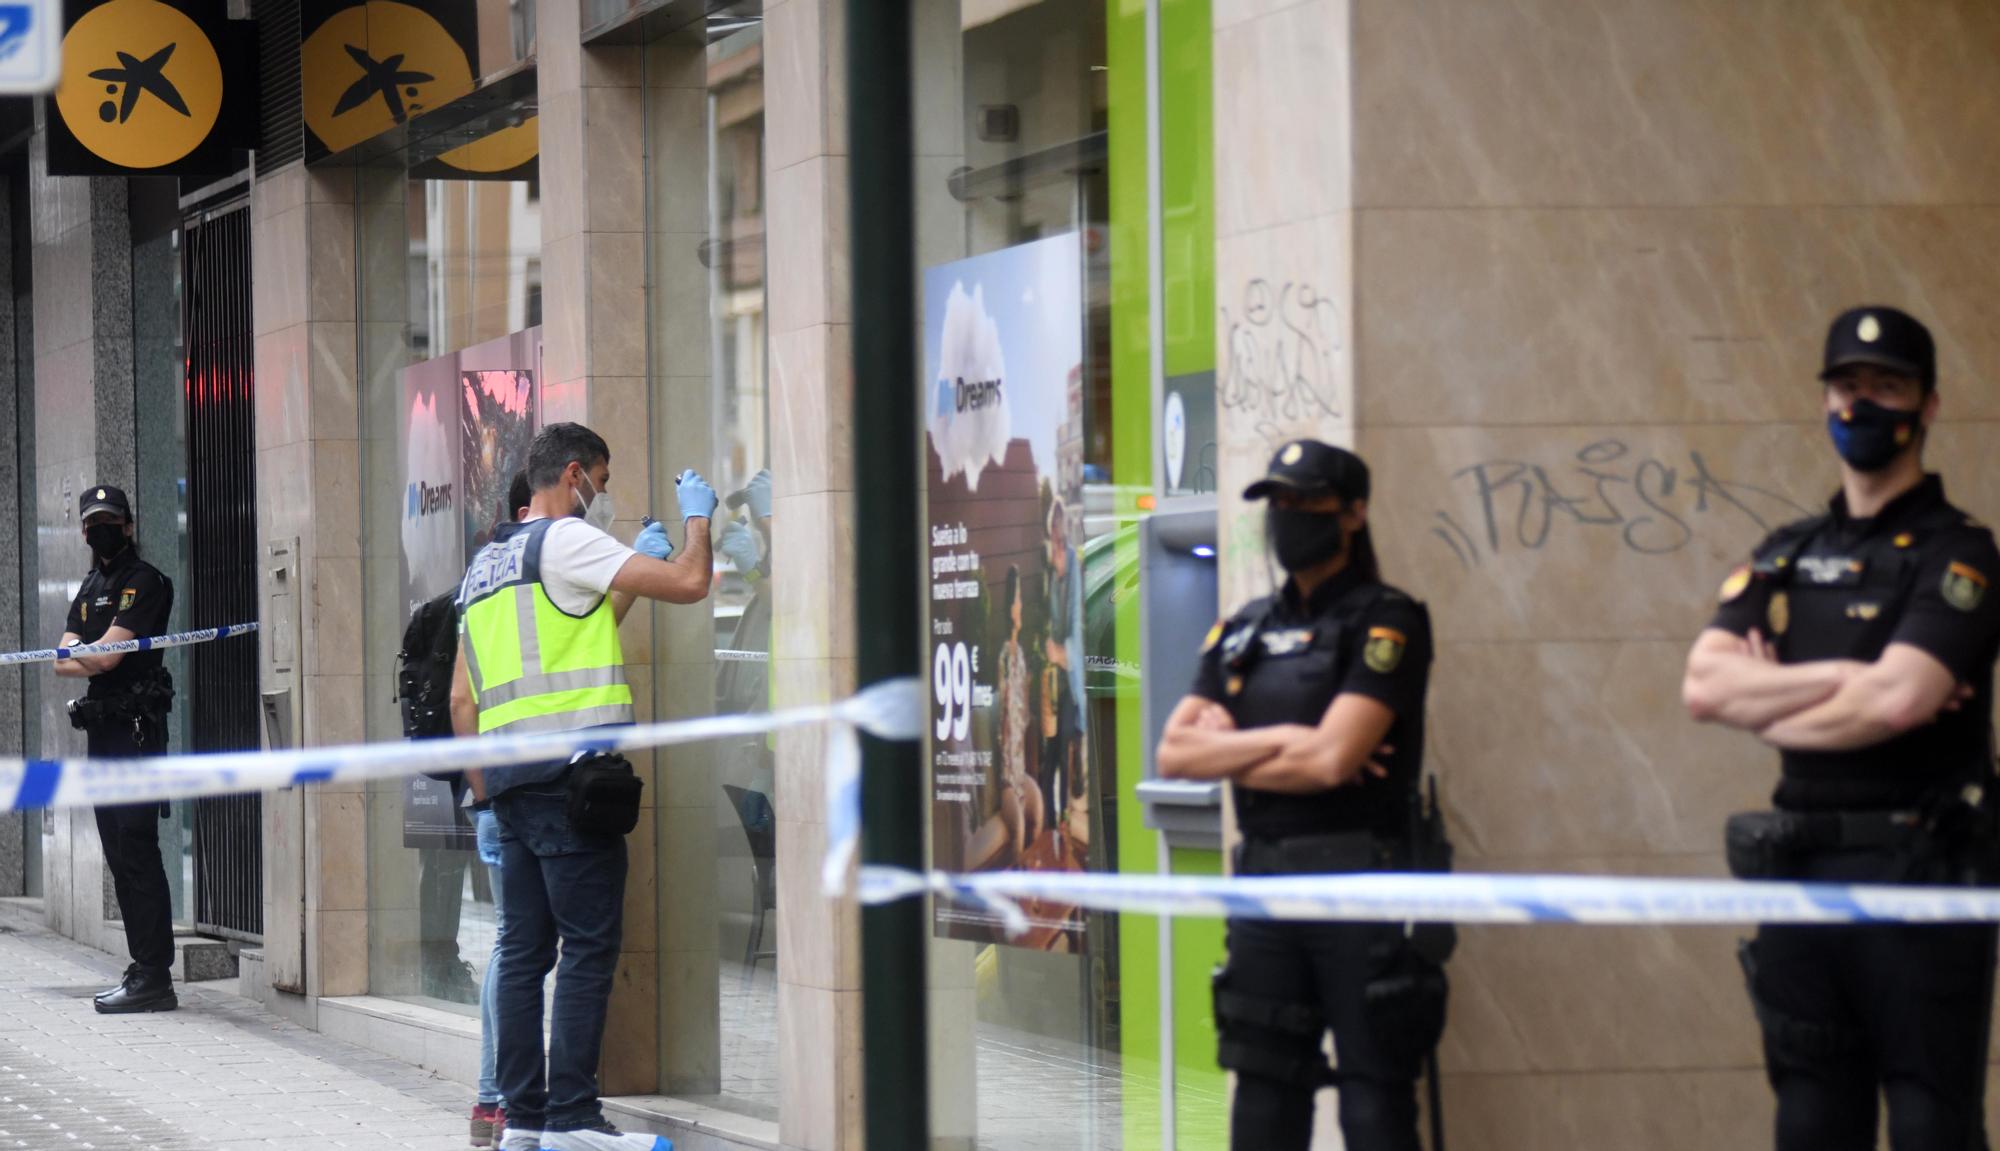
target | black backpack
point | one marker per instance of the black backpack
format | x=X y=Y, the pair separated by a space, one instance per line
x=424 y=667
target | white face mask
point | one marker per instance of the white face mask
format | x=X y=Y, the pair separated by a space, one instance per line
x=597 y=510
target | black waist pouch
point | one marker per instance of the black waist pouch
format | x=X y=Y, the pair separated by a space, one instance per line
x=604 y=795
x=1762 y=845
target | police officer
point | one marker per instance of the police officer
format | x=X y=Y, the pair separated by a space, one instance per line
x=1311 y=702
x=1861 y=644
x=123 y=713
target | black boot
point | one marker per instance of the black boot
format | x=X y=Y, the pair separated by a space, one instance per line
x=119 y=986
x=144 y=990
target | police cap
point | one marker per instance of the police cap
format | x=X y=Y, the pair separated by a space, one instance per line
x=1312 y=468
x=1885 y=337
x=105 y=499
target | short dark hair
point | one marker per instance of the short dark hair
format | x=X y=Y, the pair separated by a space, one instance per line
x=557 y=447
x=518 y=495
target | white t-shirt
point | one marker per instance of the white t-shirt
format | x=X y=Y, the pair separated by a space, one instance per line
x=578 y=564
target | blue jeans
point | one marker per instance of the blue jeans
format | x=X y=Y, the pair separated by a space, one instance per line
x=558 y=884
x=487 y=827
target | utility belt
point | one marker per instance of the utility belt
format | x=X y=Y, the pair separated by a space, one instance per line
x=1424 y=848
x=603 y=795
x=1321 y=854
x=1948 y=840
x=142 y=702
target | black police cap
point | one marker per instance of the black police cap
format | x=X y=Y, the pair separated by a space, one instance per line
x=1885 y=337
x=1312 y=468
x=105 y=499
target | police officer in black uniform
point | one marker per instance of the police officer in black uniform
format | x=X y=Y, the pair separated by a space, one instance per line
x=123 y=713
x=1312 y=703
x=1861 y=644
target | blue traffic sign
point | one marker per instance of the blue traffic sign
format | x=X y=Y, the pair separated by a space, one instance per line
x=30 y=46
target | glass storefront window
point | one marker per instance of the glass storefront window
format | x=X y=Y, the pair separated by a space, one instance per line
x=1014 y=250
x=709 y=403
x=449 y=347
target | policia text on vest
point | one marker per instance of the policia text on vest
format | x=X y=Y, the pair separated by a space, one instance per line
x=1861 y=643
x=538 y=652
x=123 y=712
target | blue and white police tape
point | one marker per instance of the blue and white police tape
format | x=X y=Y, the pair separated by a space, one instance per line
x=127 y=646
x=890 y=710
x=1398 y=897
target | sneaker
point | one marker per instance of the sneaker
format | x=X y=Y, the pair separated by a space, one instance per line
x=603 y=1137
x=488 y=1123
x=451 y=981
x=519 y=1140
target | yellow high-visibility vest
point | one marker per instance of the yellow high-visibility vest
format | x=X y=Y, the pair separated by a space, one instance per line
x=535 y=667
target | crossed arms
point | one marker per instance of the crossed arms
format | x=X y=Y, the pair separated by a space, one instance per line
x=1201 y=742
x=1820 y=705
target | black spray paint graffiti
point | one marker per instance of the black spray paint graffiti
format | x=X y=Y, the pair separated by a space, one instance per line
x=1278 y=369
x=1647 y=501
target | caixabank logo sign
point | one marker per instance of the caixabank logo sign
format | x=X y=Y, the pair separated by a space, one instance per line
x=150 y=87
x=367 y=68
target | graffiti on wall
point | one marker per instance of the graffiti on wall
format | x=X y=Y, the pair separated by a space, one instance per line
x=1651 y=505
x=1281 y=348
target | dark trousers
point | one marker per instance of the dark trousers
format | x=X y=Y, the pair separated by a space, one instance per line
x=440 y=902
x=1326 y=966
x=1854 y=1014
x=556 y=884
x=131 y=838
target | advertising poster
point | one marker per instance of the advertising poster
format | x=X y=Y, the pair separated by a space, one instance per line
x=1003 y=352
x=496 y=426
x=468 y=420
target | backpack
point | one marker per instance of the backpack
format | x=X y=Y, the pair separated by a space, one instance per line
x=424 y=668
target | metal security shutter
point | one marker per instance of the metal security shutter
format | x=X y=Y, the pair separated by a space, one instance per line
x=281 y=130
x=221 y=694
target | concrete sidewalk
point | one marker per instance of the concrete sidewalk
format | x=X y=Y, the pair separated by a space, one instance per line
x=220 y=1073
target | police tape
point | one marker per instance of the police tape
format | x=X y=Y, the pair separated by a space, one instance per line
x=1466 y=898
x=896 y=710
x=127 y=646
x=733 y=655
x=889 y=710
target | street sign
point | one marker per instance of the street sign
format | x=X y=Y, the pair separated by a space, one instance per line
x=30 y=46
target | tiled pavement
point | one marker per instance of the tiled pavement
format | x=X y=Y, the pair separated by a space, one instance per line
x=220 y=1074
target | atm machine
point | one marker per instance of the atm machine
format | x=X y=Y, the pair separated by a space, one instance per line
x=1177 y=606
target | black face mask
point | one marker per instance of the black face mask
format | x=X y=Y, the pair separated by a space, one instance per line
x=105 y=540
x=1304 y=540
x=1869 y=436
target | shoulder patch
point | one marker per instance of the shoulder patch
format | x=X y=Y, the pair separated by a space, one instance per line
x=126 y=597
x=1384 y=649
x=1214 y=637
x=1737 y=583
x=1964 y=586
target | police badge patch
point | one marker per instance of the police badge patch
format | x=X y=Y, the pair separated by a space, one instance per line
x=1778 y=613
x=125 y=600
x=1964 y=586
x=1384 y=650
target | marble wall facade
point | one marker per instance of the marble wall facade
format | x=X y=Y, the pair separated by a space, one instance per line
x=1573 y=265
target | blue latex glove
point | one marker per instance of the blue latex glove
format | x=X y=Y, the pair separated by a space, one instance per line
x=757 y=493
x=696 y=498
x=739 y=545
x=486 y=828
x=653 y=540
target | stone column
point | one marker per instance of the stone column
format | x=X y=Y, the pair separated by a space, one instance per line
x=308 y=489
x=594 y=367
x=1590 y=265
x=82 y=274
x=812 y=637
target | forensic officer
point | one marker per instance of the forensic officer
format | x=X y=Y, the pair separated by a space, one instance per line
x=539 y=652
x=1311 y=702
x=124 y=713
x=1861 y=644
